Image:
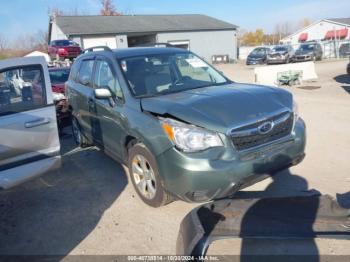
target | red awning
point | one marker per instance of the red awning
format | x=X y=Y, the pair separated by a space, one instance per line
x=303 y=37
x=339 y=34
x=343 y=33
x=329 y=35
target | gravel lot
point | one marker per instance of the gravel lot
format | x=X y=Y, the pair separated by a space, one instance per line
x=90 y=207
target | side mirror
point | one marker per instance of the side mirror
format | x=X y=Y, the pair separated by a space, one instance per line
x=103 y=93
x=84 y=80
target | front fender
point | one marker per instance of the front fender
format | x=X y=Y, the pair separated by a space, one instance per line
x=147 y=129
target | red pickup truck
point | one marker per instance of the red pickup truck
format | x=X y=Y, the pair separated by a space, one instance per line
x=62 y=49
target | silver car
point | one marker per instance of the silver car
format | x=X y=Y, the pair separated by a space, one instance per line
x=29 y=143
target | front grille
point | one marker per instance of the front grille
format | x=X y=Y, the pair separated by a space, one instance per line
x=248 y=136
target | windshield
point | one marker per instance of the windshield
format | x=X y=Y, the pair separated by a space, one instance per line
x=258 y=52
x=279 y=49
x=306 y=47
x=59 y=76
x=66 y=43
x=153 y=75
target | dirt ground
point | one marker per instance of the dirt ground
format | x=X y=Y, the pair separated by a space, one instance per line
x=90 y=207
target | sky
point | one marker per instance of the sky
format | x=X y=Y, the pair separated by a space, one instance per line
x=21 y=17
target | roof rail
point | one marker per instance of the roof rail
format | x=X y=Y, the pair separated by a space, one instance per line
x=156 y=45
x=92 y=49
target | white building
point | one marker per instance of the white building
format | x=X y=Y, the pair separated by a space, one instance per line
x=201 y=34
x=332 y=34
x=325 y=29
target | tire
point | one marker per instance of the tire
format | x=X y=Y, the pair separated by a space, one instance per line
x=145 y=176
x=79 y=138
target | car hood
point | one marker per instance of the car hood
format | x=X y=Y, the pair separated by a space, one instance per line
x=220 y=108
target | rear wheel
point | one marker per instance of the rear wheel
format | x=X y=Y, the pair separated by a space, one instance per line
x=79 y=138
x=145 y=176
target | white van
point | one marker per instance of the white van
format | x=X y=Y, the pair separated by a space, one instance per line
x=29 y=143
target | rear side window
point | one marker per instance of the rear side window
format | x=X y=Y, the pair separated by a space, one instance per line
x=85 y=72
x=74 y=71
x=22 y=89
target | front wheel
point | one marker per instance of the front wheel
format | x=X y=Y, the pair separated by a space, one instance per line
x=145 y=177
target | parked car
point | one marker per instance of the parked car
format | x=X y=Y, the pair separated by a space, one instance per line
x=344 y=50
x=308 y=52
x=62 y=49
x=184 y=130
x=28 y=129
x=258 y=56
x=348 y=69
x=280 y=54
x=58 y=77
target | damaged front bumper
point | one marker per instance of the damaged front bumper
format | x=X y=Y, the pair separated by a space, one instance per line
x=220 y=172
x=267 y=218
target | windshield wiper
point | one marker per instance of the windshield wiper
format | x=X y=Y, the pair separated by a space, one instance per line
x=211 y=84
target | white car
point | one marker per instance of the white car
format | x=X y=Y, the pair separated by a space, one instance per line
x=29 y=143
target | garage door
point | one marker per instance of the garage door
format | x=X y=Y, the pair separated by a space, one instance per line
x=100 y=41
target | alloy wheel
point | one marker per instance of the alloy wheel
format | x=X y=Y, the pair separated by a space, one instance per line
x=144 y=177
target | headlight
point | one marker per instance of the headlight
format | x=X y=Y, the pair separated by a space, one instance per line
x=295 y=111
x=190 y=138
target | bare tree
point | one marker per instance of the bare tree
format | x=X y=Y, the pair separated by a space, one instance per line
x=304 y=23
x=55 y=11
x=3 y=42
x=108 y=8
x=32 y=41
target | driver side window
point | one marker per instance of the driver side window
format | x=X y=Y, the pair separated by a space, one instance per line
x=104 y=78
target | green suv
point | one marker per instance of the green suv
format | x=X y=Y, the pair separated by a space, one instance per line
x=184 y=130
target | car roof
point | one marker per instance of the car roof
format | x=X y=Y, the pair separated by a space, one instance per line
x=262 y=47
x=139 y=51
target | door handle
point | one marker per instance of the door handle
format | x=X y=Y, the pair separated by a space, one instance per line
x=37 y=122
